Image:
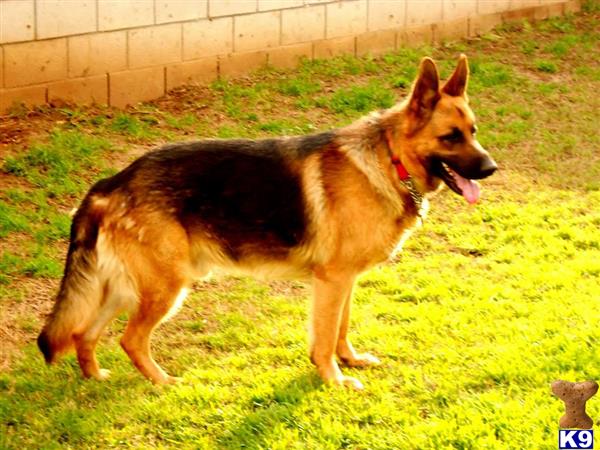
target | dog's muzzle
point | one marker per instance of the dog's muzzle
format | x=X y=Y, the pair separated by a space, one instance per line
x=459 y=172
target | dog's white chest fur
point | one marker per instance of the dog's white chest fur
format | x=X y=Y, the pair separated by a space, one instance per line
x=408 y=232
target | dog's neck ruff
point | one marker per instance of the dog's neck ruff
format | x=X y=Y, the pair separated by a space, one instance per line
x=408 y=183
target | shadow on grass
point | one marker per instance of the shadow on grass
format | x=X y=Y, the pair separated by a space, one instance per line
x=270 y=413
x=56 y=405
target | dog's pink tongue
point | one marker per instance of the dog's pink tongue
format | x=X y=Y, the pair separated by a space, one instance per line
x=470 y=189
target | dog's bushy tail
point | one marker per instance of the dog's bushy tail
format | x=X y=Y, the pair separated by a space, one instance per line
x=80 y=292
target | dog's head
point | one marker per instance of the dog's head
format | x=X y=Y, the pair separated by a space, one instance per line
x=436 y=136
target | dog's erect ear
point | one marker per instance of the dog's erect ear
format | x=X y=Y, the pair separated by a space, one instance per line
x=426 y=91
x=456 y=85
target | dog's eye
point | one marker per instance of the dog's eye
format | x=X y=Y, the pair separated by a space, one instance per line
x=473 y=130
x=454 y=137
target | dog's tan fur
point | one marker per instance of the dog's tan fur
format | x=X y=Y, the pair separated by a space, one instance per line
x=357 y=210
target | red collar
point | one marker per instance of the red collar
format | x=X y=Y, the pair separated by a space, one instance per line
x=405 y=177
x=402 y=172
x=408 y=183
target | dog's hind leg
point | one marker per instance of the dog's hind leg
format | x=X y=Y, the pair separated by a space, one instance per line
x=344 y=350
x=118 y=296
x=85 y=345
x=162 y=273
x=154 y=307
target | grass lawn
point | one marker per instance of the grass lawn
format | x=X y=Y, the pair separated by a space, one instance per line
x=486 y=306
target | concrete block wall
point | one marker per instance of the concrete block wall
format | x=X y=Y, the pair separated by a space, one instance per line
x=120 y=52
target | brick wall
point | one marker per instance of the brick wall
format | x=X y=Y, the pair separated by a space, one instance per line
x=120 y=52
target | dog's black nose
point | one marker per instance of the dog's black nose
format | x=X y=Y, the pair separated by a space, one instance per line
x=488 y=167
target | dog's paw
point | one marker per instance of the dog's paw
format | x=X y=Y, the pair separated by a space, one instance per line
x=349 y=382
x=346 y=382
x=173 y=380
x=166 y=380
x=361 y=360
x=103 y=374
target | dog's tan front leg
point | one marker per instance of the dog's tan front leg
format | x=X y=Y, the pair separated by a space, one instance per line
x=344 y=350
x=331 y=288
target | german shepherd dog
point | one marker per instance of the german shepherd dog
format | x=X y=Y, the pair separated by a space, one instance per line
x=323 y=207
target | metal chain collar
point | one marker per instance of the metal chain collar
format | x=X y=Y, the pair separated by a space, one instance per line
x=416 y=196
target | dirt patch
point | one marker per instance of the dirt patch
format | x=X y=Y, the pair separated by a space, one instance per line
x=17 y=130
x=121 y=159
x=21 y=318
x=186 y=99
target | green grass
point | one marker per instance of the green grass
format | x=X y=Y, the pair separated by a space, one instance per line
x=11 y=219
x=529 y=47
x=546 y=66
x=53 y=166
x=358 y=99
x=130 y=125
x=183 y=122
x=298 y=87
x=484 y=308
